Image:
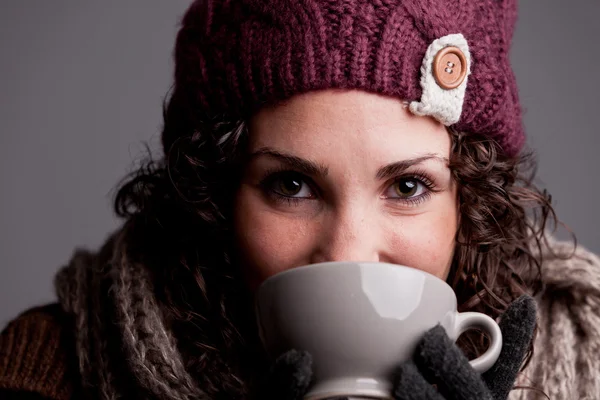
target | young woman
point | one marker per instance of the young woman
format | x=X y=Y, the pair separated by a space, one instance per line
x=317 y=130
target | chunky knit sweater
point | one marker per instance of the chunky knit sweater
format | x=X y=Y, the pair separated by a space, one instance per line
x=38 y=361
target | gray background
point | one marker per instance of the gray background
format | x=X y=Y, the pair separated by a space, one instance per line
x=82 y=85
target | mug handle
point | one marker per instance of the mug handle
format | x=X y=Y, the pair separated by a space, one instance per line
x=470 y=320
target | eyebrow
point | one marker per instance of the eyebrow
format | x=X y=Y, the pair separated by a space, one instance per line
x=312 y=168
x=306 y=167
x=397 y=168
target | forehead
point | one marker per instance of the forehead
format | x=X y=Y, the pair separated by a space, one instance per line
x=326 y=123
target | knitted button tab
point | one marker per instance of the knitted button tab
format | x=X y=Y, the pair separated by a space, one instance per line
x=449 y=67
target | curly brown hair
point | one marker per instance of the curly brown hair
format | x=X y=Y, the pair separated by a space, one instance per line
x=180 y=210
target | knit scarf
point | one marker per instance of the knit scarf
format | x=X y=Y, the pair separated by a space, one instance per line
x=565 y=364
x=134 y=356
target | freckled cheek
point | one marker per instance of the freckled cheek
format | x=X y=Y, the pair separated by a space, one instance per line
x=269 y=241
x=426 y=243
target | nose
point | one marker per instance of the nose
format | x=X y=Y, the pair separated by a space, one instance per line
x=348 y=235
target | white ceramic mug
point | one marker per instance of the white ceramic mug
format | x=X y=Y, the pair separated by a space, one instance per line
x=360 y=320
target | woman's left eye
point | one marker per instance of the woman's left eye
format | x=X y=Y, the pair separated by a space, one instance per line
x=406 y=188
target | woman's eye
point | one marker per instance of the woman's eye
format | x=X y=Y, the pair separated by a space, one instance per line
x=291 y=186
x=406 y=188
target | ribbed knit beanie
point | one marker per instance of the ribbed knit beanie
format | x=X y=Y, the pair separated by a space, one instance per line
x=447 y=58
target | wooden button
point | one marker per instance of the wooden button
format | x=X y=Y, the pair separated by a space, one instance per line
x=449 y=67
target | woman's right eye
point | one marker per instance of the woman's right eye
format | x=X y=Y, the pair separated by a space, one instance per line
x=290 y=185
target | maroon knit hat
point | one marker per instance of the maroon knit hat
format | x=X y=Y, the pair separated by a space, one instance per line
x=233 y=56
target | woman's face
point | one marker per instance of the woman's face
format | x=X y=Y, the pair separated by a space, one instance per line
x=345 y=175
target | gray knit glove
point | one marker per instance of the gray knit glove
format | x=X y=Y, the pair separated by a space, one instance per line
x=437 y=360
x=288 y=378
